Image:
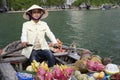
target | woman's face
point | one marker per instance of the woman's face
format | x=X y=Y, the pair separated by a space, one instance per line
x=36 y=13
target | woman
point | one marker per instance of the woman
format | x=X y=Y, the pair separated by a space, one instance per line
x=33 y=32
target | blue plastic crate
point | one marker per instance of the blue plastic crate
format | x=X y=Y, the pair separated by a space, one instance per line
x=24 y=76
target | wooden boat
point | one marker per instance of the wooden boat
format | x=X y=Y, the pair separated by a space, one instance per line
x=12 y=57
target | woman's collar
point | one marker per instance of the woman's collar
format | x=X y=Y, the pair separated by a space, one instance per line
x=35 y=22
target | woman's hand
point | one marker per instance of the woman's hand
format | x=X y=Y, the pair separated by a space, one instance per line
x=56 y=45
x=24 y=44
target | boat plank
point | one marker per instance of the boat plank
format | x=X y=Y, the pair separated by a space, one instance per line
x=60 y=61
x=74 y=56
x=60 y=54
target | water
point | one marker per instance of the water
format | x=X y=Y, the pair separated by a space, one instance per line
x=96 y=30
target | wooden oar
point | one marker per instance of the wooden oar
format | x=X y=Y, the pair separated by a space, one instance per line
x=17 y=49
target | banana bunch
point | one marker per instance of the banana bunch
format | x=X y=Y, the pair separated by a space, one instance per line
x=35 y=65
x=44 y=65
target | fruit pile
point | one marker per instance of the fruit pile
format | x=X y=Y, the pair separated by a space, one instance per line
x=58 y=48
x=62 y=72
x=43 y=72
x=93 y=67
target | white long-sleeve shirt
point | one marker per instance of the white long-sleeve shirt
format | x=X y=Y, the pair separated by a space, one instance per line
x=31 y=31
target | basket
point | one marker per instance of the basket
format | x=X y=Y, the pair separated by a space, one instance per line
x=24 y=76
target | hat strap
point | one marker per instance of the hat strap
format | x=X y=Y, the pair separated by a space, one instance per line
x=31 y=18
x=40 y=16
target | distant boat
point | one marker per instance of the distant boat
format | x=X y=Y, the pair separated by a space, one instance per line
x=2 y=9
x=105 y=7
x=3 y=6
x=84 y=6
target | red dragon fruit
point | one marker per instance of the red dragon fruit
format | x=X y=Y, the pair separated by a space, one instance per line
x=68 y=71
x=99 y=67
x=41 y=71
x=39 y=77
x=91 y=65
x=48 y=76
x=63 y=78
x=57 y=73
